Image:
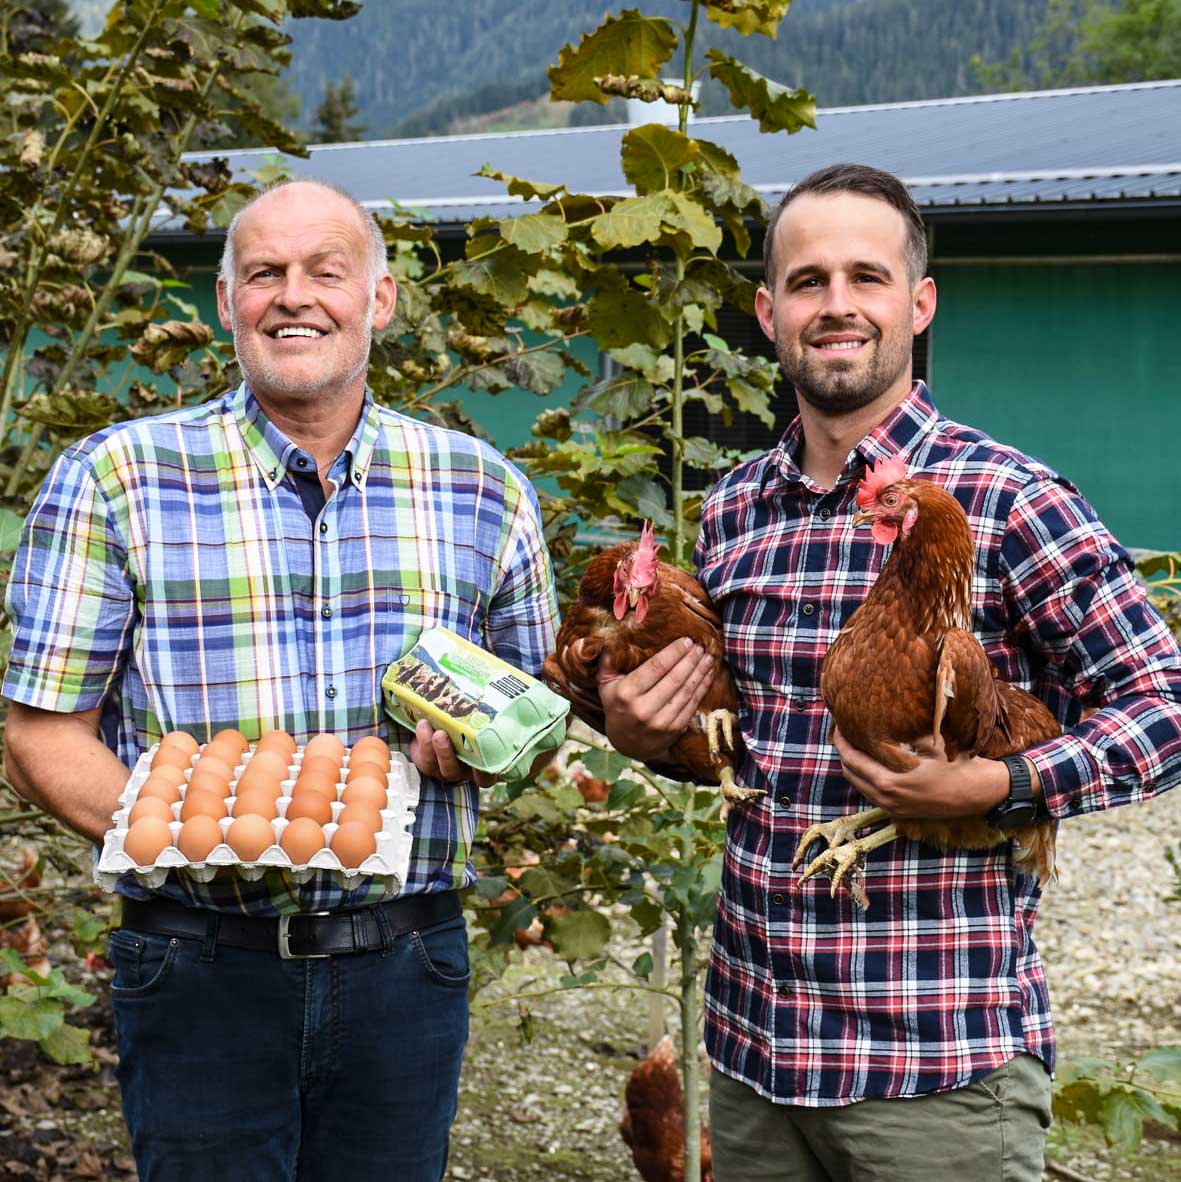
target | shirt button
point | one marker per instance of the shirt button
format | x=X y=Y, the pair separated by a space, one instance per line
x=326 y=612
x=301 y=462
x=825 y=514
x=783 y=990
x=323 y=527
x=809 y=608
x=777 y=899
x=785 y=801
x=330 y=691
x=798 y=703
x=1076 y=803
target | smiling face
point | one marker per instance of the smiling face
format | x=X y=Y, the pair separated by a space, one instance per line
x=844 y=313
x=304 y=301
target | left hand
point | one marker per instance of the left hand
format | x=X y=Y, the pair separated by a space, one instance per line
x=967 y=786
x=431 y=751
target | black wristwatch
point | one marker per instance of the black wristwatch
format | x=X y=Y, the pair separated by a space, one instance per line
x=1019 y=807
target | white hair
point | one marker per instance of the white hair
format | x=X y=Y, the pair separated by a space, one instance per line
x=379 y=264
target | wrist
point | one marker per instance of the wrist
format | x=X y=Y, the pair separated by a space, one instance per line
x=1019 y=806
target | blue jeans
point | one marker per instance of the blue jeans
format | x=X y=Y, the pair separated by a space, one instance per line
x=238 y=1066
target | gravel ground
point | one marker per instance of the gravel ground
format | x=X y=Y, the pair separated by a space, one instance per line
x=549 y=1108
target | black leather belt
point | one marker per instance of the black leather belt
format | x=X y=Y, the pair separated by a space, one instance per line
x=294 y=937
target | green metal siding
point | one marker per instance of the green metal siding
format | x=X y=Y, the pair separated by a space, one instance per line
x=1075 y=364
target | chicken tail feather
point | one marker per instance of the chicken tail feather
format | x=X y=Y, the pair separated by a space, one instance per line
x=1037 y=851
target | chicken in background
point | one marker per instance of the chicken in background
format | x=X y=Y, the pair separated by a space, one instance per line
x=631 y=605
x=905 y=667
x=653 y=1123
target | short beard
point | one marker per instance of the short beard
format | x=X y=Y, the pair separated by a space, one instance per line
x=842 y=392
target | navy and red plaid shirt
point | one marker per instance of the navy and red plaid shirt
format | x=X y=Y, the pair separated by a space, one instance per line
x=809 y=1000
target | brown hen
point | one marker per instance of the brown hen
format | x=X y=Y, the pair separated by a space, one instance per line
x=653 y=1123
x=631 y=605
x=906 y=666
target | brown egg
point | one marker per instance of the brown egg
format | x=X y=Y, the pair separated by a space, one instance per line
x=224 y=752
x=324 y=764
x=278 y=741
x=198 y=836
x=216 y=764
x=353 y=843
x=324 y=744
x=146 y=839
x=302 y=838
x=371 y=748
x=181 y=739
x=310 y=804
x=271 y=761
x=365 y=767
x=260 y=779
x=249 y=835
x=313 y=781
x=167 y=774
x=232 y=738
x=260 y=802
x=209 y=781
x=171 y=757
x=150 y=806
x=162 y=790
x=363 y=812
x=366 y=788
x=202 y=804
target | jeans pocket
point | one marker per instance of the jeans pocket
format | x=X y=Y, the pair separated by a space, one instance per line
x=443 y=953
x=142 y=962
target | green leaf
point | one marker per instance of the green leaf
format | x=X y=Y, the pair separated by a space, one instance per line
x=625 y=794
x=752 y=399
x=648 y=914
x=643 y=964
x=36 y=1019
x=554 y=283
x=695 y=220
x=68 y=1044
x=653 y=155
x=604 y=765
x=624 y=316
x=648 y=496
x=631 y=222
x=625 y=397
x=539 y=373
x=1123 y=1120
x=10 y=531
x=518 y=914
x=543 y=882
x=630 y=44
x=11 y=961
x=534 y=232
x=518 y=187
x=578 y=935
x=704 y=453
x=491 y=886
x=500 y=274
x=748 y=16
x=1164 y=1062
x=775 y=107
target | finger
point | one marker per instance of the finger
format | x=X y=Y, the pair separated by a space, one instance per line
x=677 y=713
x=449 y=766
x=677 y=658
x=422 y=753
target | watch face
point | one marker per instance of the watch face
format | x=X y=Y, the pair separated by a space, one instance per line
x=1014 y=814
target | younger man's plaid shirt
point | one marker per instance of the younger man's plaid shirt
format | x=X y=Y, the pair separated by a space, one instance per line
x=169 y=571
x=809 y=1000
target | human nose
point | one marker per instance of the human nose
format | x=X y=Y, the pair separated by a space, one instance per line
x=838 y=299
x=296 y=291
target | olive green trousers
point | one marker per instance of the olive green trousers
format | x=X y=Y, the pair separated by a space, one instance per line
x=993 y=1130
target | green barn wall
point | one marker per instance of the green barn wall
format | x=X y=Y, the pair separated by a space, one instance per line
x=1075 y=364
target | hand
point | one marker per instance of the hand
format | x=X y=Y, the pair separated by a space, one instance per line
x=967 y=786
x=432 y=753
x=649 y=709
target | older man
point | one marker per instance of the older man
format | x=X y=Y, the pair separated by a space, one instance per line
x=257 y=562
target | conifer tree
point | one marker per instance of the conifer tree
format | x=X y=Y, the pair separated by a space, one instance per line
x=336 y=116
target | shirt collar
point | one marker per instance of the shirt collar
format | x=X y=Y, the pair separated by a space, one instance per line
x=898 y=434
x=272 y=451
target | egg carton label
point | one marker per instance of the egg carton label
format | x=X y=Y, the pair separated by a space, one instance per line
x=498 y=718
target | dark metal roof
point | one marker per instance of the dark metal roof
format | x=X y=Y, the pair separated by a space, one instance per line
x=1087 y=146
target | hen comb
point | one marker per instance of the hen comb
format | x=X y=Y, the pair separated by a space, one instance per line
x=879 y=478
x=645 y=559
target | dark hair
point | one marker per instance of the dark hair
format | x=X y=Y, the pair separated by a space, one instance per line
x=868 y=182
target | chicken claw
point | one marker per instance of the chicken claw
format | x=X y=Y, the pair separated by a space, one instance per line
x=719 y=730
x=844 y=860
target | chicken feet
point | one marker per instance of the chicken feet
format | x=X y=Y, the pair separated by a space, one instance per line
x=719 y=729
x=844 y=860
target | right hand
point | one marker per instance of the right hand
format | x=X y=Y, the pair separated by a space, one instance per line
x=649 y=709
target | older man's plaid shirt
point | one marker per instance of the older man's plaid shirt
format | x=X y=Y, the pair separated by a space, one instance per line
x=169 y=571
x=809 y=1000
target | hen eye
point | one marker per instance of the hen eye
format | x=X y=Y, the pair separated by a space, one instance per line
x=890 y=500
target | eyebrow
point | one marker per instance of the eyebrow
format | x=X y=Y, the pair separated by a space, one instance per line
x=856 y=265
x=249 y=263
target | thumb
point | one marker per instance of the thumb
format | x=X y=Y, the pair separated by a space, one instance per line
x=605 y=670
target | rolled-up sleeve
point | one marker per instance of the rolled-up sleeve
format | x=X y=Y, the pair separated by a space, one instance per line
x=70 y=599
x=1072 y=588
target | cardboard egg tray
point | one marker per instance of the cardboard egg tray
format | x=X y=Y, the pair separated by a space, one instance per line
x=391 y=859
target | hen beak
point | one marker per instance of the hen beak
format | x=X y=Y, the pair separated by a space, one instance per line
x=862 y=517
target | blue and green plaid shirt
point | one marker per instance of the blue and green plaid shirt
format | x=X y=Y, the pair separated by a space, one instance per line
x=169 y=572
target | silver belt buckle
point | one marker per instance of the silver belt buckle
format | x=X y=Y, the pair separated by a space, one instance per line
x=285 y=952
